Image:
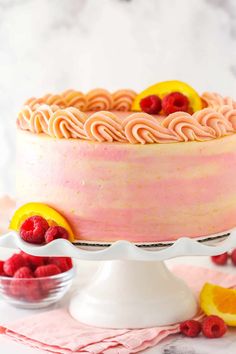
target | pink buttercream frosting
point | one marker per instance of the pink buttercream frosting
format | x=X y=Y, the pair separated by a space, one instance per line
x=75 y=99
x=104 y=126
x=123 y=100
x=143 y=128
x=67 y=123
x=215 y=100
x=187 y=127
x=69 y=115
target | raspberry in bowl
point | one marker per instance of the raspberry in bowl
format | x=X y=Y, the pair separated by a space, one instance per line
x=30 y=282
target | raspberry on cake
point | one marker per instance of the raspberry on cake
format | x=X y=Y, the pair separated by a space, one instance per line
x=151 y=104
x=30 y=216
x=33 y=229
x=55 y=232
x=175 y=102
x=115 y=172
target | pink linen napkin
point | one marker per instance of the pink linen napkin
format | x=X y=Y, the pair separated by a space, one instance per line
x=56 y=331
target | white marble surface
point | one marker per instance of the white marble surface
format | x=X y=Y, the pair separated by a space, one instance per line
x=47 y=46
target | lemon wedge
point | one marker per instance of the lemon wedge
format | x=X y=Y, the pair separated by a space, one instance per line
x=216 y=300
x=50 y=214
x=161 y=89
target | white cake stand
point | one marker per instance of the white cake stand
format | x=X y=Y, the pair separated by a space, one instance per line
x=133 y=288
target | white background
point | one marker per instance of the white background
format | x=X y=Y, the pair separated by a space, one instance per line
x=52 y=45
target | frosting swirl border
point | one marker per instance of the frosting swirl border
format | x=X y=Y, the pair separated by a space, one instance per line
x=64 y=116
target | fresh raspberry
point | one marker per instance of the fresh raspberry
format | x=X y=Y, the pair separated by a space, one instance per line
x=12 y=264
x=174 y=102
x=26 y=289
x=19 y=283
x=64 y=263
x=34 y=261
x=17 y=288
x=190 y=328
x=55 y=232
x=213 y=327
x=47 y=285
x=24 y=272
x=2 y=273
x=33 y=291
x=151 y=104
x=33 y=229
x=220 y=259
x=47 y=271
x=233 y=257
x=69 y=262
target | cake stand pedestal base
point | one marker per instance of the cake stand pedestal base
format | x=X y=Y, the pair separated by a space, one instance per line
x=133 y=294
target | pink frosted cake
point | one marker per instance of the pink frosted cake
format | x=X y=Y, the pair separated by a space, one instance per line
x=117 y=172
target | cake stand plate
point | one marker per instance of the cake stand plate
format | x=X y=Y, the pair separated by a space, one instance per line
x=133 y=288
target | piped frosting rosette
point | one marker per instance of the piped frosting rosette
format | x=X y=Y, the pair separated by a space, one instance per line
x=67 y=123
x=215 y=121
x=75 y=99
x=229 y=113
x=186 y=127
x=39 y=119
x=49 y=99
x=63 y=117
x=104 y=126
x=94 y=100
x=142 y=128
x=99 y=100
x=123 y=100
x=214 y=100
x=24 y=116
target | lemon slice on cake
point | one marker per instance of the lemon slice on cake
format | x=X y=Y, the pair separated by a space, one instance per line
x=48 y=213
x=216 y=300
x=162 y=89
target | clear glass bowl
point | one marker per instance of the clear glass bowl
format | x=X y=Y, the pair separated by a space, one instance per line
x=35 y=292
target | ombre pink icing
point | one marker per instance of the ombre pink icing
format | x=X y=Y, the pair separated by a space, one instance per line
x=117 y=174
x=154 y=192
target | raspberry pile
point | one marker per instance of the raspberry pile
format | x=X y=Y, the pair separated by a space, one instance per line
x=36 y=230
x=173 y=102
x=211 y=327
x=21 y=269
x=222 y=259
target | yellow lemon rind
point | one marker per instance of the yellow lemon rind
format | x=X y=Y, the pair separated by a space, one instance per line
x=163 y=88
x=209 y=307
x=50 y=214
